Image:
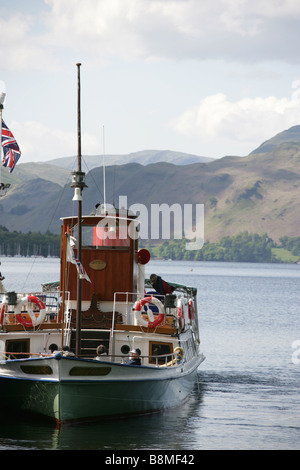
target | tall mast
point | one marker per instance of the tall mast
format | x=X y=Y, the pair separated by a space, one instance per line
x=78 y=119
x=104 y=185
x=78 y=184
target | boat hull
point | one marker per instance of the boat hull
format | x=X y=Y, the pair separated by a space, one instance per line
x=87 y=390
x=30 y=396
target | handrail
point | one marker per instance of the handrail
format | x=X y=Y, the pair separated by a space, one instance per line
x=167 y=362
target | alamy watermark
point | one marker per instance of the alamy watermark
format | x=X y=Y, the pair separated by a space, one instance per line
x=296 y=353
x=159 y=222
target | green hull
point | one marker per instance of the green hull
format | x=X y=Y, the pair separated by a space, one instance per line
x=39 y=398
x=138 y=390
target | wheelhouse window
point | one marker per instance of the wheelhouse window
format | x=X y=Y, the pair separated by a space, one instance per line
x=159 y=349
x=104 y=236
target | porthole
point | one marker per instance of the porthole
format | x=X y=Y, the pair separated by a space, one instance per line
x=89 y=371
x=125 y=349
x=37 y=370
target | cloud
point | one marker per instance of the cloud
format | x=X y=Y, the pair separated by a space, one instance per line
x=20 y=47
x=217 y=119
x=135 y=39
x=41 y=143
x=248 y=31
x=228 y=29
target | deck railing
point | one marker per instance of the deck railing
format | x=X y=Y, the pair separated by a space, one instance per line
x=52 y=302
x=164 y=360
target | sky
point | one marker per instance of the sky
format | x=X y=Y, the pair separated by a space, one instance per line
x=209 y=78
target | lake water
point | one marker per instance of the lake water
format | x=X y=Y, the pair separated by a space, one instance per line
x=248 y=391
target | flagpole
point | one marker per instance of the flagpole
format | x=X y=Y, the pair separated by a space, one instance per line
x=78 y=316
x=78 y=183
x=104 y=185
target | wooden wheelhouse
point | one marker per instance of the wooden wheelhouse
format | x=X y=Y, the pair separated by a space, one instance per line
x=108 y=254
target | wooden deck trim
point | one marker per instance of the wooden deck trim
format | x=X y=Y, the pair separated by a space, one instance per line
x=43 y=326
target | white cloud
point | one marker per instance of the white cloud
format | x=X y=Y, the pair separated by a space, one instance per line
x=217 y=120
x=40 y=143
x=230 y=29
x=245 y=30
x=20 y=48
x=131 y=51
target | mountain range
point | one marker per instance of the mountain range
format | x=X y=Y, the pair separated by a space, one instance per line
x=258 y=192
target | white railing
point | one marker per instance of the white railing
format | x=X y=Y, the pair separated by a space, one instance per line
x=52 y=302
x=163 y=360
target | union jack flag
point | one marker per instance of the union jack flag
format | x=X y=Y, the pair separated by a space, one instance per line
x=11 y=149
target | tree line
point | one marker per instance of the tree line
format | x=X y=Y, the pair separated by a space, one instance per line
x=243 y=247
x=292 y=244
x=28 y=244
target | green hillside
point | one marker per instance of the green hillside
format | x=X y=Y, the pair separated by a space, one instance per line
x=289 y=135
x=258 y=193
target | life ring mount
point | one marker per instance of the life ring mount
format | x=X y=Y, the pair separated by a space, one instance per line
x=33 y=321
x=151 y=323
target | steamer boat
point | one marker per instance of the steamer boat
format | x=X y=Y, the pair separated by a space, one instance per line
x=48 y=340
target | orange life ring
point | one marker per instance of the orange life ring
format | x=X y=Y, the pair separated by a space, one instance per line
x=191 y=310
x=33 y=320
x=151 y=323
